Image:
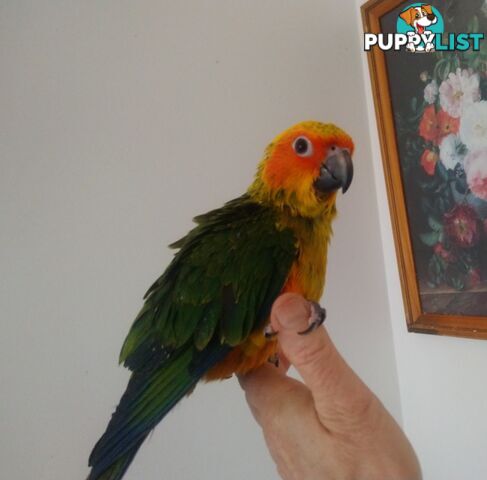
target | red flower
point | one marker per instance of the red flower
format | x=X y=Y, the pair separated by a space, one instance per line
x=444 y=254
x=435 y=126
x=428 y=161
x=473 y=277
x=428 y=127
x=461 y=225
x=446 y=124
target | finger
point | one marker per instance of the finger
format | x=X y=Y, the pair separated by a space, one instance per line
x=265 y=388
x=336 y=389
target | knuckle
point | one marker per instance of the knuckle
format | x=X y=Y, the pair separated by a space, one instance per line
x=359 y=406
x=355 y=418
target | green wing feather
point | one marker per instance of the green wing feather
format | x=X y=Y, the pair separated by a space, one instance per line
x=219 y=281
x=219 y=287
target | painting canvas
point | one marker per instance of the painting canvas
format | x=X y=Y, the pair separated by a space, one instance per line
x=436 y=103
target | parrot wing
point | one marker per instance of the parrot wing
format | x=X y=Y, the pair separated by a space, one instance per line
x=222 y=282
x=219 y=287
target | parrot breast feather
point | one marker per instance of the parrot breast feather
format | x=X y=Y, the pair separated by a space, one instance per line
x=221 y=283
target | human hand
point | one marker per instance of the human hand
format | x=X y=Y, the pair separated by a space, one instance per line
x=332 y=427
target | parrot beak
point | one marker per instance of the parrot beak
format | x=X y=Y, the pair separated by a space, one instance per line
x=335 y=172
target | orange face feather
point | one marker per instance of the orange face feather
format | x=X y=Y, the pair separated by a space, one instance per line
x=285 y=177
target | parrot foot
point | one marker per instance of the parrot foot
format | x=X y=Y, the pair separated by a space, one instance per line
x=316 y=319
x=269 y=332
x=274 y=359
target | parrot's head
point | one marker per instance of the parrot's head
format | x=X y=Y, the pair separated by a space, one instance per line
x=304 y=168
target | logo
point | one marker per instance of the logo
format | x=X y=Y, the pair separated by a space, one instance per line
x=420 y=29
x=421 y=23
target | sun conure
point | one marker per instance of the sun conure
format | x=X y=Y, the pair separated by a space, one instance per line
x=205 y=317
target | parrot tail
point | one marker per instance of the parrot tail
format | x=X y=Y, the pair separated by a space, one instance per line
x=151 y=393
x=117 y=470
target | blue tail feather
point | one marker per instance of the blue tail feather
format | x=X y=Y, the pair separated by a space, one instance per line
x=151 y=393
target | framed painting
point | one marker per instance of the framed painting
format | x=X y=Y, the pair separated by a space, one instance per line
x=430 y=95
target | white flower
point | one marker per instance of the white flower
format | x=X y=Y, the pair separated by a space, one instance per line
x=459 y=91
x=450 y=148
x=431 y=92
x=473 y=126
x=476 y=171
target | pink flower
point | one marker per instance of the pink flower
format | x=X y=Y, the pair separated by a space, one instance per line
x=444 y=254
x=461 y=225
x=476 y=171
x=428 y=161
x=458 y=91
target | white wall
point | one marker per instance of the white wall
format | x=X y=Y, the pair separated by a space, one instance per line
x=119 y=121
x=442 y=379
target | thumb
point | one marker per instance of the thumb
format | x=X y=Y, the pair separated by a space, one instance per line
x=337 y=391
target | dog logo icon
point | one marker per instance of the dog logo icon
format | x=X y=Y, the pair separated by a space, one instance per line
x=423 y=21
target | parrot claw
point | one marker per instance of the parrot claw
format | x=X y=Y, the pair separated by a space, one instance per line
x=274 y=359
x=269 y=332
x=316 y=319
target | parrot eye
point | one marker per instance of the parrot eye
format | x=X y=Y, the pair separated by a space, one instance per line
x=303 y=147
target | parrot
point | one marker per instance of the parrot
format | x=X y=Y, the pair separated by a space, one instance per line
x=207 y=316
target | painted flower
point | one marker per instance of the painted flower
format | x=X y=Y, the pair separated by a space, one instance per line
x=450 y=148
x=444 y=254
x=428 y=161
x=424 y=76
x=473 y=126
x=446 y=124
x=431 y=92
x=461 y=225
x=459 y=91
x=428 y=127
x=434 y=126
x=473 y=277
x=476 y=171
